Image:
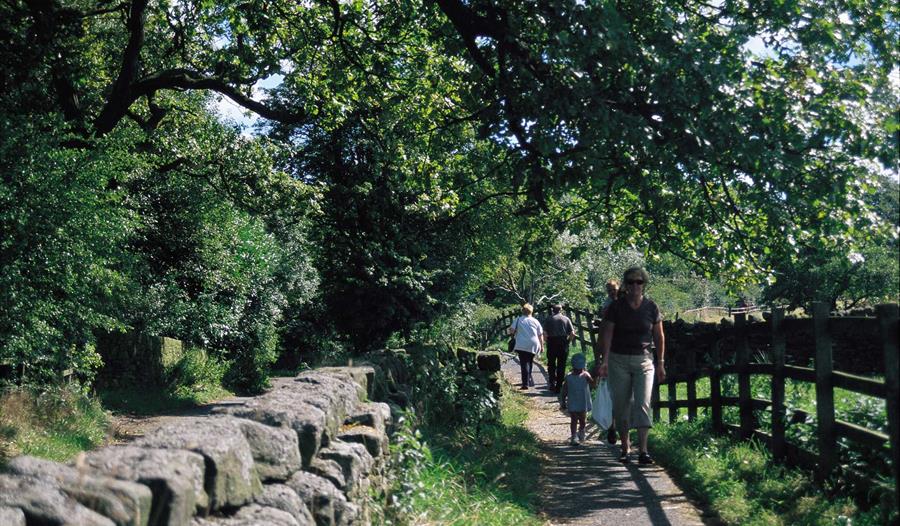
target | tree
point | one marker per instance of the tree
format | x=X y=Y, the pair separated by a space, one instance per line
x=667 y=129
x=652 y=120
x=654 y=115
x=61 y=229
x=222 y=247
x=391 y=257
x=842 y=276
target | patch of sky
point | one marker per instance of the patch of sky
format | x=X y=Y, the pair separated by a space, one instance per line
x=234 y=114
x=757 y=47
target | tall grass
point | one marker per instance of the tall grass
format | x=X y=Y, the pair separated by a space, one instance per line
x=55 y=424
x=463 y=477
x=740 y=482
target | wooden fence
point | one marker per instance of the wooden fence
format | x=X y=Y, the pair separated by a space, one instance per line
x=712 y=363
x=719 y=311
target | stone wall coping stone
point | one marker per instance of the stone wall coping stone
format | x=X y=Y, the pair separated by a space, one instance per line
x=231 y=478
x=126 y=503
x=44 y=503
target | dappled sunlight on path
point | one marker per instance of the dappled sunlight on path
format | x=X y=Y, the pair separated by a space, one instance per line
x=585 y=484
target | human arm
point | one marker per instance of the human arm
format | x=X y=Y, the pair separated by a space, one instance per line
x=541 y=336
x=512 y=328
x=659 y=339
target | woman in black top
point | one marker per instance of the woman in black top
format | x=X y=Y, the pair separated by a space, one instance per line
x=633 y=326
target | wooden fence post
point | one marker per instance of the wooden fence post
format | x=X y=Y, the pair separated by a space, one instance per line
x=692 y=384
x=745 y=401
x=592 y=335
x=887 y=318
x=673 y=394
x=715 y=388
x=778 y=347
x=654 y=403
x=824 y=390
x=580 y=331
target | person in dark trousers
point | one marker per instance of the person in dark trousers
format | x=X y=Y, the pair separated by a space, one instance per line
x=529 y=341
x=559 y=332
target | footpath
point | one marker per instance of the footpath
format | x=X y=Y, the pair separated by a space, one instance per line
x=585 y=484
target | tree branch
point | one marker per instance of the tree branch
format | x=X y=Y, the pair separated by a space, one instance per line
x=188 y=79
x=121 y=97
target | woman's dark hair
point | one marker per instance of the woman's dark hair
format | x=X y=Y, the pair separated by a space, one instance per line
x=637 y=270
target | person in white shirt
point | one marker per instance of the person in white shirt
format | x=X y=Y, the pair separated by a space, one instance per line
x=529 y=341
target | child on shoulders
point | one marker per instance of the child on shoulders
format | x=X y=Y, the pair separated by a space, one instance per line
x=575 y=397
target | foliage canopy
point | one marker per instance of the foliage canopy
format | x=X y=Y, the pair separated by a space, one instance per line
x=413 y=145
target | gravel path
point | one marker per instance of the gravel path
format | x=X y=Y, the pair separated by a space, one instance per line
x=585 y=484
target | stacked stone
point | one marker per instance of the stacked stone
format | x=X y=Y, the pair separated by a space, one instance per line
x=484 y=365
x=307 y=453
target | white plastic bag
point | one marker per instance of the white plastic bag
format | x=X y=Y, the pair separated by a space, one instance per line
x=602 y=411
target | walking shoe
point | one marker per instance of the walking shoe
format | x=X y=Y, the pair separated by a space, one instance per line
x=611 y=435
x=572 y=440
x=580 y=437
x=644 y=458
x=623 y=457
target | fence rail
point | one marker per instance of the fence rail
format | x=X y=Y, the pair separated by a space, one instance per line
x=723 y=311
x=697 y=365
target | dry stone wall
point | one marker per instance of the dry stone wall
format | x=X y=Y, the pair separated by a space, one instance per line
x=307 y=453
x=135 y=358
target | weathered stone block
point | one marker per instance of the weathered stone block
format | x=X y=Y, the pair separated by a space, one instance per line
x=11 y=516
x=354 y=461
x=286 y=499
x=276 y=450
x=364 y=375
x=373 y=414
x=125 y=503
x=44 y=503
x=327 y=505
x=335 y=394
x=175 y=477
x=375 y=442
x=231 y=478
x=488 y=362
x=256 y=515
x=285 y=409
x=331 y=470
x=253 y=515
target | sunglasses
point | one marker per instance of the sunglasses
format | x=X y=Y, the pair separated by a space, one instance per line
x=634 y=282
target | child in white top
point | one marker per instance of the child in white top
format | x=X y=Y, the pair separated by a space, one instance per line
x=575 y=396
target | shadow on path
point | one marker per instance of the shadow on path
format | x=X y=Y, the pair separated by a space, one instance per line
x=586 y=484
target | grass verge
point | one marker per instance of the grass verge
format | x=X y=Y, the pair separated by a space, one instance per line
x=55 y=424
x=462 y=477
x=740 y=482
